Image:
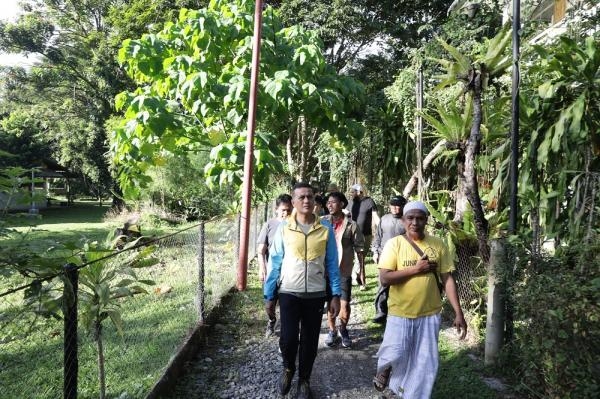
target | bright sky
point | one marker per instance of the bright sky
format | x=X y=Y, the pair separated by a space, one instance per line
x=8 y=12
x=9 y=9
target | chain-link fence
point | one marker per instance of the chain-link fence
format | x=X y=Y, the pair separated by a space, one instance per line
x=138 y=334
x=471 y=277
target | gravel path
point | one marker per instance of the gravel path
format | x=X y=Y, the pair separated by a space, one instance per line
x=233 y=366
x=238 y=362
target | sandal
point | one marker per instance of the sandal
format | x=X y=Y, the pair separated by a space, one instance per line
x=380 y=381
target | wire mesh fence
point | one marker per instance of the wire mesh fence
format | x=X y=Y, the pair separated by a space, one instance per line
x=471 y=277
x=194 y=269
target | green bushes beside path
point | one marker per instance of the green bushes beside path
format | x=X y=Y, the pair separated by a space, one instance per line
x=555 y=353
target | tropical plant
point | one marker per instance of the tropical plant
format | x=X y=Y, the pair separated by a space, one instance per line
x=104 y=282
x=561 y=117
x=474 y=75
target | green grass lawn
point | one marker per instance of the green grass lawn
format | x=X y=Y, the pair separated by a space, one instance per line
x=155 y=324
x=81 y=220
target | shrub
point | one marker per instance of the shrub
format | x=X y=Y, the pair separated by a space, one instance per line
x=557 y=308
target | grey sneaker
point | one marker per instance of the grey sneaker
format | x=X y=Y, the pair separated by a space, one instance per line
x=331 y=339
x=270 y=328
x=346 y=341
x=285 y=382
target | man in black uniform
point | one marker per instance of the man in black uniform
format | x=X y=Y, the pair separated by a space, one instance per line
x=364 y=213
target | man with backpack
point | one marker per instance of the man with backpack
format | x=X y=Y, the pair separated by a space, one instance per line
x=390 y=226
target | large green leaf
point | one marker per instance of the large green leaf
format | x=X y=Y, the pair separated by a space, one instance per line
x=463 y=61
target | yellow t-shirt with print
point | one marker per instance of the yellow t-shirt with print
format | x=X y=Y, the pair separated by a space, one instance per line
x=419 y=295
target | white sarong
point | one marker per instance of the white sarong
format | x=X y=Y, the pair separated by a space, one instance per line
x=410 y=346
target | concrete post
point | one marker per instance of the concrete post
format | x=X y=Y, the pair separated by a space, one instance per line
x=494 y=330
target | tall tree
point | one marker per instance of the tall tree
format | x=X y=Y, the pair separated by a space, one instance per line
x=370 y=41
x=71 y=90
x=194 y=86
x=351 y=29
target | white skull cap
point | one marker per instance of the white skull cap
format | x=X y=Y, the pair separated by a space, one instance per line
x=415 y=205
x=357 y=187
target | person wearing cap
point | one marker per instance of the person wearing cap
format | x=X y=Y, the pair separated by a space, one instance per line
x=304 y=251
x=408 y=357
x=350 y=241
x=332 y=188
x=390 y=226
x=364 y=212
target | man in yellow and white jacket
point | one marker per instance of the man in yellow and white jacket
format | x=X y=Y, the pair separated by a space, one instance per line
x=304 y=251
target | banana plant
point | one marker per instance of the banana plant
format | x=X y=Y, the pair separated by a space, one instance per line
x=104 y=282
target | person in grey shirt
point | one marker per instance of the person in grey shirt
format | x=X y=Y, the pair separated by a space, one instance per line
x=283 y=208
x=389 y=226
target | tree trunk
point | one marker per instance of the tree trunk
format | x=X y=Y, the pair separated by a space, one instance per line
x=535 y=210
x=302 y=149
x=589 y=235
x=290 y=159
x=118 y=203
x=101 y=373
x=472 y=186
x=410 y=186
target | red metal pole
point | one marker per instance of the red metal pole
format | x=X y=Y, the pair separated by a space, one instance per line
x=242 y=272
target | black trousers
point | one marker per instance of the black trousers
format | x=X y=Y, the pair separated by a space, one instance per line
x=300 y=328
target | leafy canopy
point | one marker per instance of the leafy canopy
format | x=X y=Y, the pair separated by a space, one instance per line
x=194 y=79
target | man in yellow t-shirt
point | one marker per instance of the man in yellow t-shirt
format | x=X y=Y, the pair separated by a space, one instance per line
x=408 y=356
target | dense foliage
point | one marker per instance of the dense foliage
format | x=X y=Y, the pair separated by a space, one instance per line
x=178 y=188
x=61 y=104
x=194 y=90
x=557 y=305
x=562 y=118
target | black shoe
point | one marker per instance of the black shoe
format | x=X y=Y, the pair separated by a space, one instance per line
x=346 y=341
x=285 y=381
x=379 y=318
x=304 y=390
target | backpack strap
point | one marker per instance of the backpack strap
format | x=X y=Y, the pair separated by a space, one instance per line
x=413 y=244
x=423 y=256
